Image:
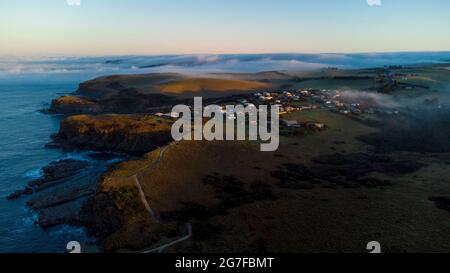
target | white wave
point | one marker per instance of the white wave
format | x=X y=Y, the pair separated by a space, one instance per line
x=66 y=229
x=115 y=160
x=78 y=233
x=80 y=156
x=31 y=217
x=31 y=220
x=90 y=156
x=34 y=174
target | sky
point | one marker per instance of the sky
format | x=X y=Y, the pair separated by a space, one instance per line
x=127 y=27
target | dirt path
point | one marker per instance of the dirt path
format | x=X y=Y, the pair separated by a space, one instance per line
x=151 y=212
x=143 y=198
x=165 y=246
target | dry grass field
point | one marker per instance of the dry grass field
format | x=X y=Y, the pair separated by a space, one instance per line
x=256 y=214
x=173 y=84
x=205 y=86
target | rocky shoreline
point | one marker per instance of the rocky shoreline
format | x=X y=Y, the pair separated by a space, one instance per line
x=55 y=173
x=61 y=196
x=69 y=191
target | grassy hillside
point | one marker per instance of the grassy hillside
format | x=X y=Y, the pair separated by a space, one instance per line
x=133 y=134
x=199 y=85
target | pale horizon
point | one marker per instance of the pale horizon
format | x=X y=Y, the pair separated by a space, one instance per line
x=63 y=55
x=180 y=27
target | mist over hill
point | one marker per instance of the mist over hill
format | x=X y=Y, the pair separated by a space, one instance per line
x=63 y=66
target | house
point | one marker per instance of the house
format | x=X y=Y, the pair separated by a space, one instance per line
x=304 y=108
x=173 y=115
x=290 y=123
x=170 y=115
x=316 y=125
x=289 y=109
x=339 y=104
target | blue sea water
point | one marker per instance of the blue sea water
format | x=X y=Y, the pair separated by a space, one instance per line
x=23 y=133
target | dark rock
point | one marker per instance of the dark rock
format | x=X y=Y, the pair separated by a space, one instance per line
x=101 y=216
x=68 y=214
x=26 y=191
x=59 y=170
x=61 y=196
x=55 y=173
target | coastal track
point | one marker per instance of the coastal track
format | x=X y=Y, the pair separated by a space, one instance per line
x=147 y=206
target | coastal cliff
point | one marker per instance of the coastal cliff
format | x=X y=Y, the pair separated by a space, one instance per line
x=131 y=134
x=76 y=192
x=128 y=101
x=146 y=93
x=117 y=216
x=74 y=104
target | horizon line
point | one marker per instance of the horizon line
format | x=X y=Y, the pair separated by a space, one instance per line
x=223 y=54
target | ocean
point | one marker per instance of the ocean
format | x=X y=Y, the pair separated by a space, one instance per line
x=24 y=131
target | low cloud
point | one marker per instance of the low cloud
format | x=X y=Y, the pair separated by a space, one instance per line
x=369 y=98
x=73 y=2
x=374 y=3
x=211 y=63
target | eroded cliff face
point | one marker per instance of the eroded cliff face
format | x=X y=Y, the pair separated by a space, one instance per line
x=120 y=94
x=128 y=101
x=116 y=215
x=131 y=134
x=74 y=104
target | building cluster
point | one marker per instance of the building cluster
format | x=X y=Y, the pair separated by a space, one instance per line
x=301 y=100
x=310 y=99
